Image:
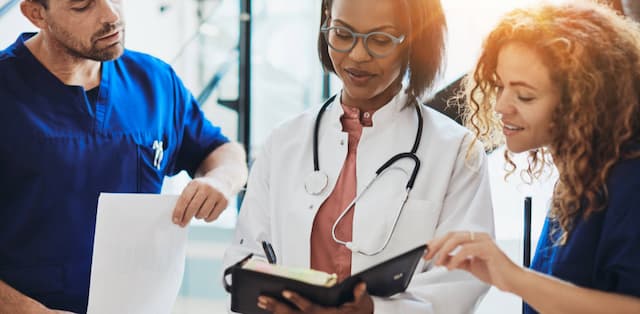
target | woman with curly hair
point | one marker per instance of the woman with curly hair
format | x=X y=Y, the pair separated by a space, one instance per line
x=562 y=83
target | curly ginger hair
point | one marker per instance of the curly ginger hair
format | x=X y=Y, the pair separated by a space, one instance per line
x=593 y=56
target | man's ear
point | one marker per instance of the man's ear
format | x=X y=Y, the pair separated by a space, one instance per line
x=34 y=11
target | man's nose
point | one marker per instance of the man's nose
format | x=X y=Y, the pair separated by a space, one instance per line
x=110 y=11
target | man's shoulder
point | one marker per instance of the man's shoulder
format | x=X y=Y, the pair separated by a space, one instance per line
x=6 y=54
x=11 y=62
x=6 y=59
x=9 y=54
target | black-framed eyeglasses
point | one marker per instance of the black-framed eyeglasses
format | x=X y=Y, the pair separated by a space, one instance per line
x=377 y=44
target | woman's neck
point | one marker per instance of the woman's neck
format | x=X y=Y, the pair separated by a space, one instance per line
x=374 y=103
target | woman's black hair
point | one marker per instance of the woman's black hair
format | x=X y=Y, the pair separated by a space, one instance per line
x=426 y=43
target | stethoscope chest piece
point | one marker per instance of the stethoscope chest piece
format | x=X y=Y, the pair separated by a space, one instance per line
x=316 y=182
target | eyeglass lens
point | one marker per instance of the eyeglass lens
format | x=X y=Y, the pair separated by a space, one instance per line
x=378 y=44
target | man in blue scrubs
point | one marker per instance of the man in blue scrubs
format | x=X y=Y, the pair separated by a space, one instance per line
x=80 y=115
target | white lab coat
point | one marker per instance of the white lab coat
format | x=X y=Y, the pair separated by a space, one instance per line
x=451 y=193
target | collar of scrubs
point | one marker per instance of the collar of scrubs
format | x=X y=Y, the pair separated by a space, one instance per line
x=22 y=50
x=44 y=78
x=383 y=116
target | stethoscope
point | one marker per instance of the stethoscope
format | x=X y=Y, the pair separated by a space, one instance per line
x=317 y=181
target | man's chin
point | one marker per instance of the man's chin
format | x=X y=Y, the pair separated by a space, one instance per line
x=107 y=54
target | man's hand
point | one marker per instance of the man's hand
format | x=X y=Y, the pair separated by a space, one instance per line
x=362 y=304
x=220 y=175
x=204 y=198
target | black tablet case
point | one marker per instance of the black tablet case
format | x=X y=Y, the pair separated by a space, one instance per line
x=383 y=280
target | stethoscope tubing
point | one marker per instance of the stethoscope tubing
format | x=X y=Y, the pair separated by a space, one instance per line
x=411 y=155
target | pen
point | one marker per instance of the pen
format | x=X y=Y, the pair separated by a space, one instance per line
x=526 y=259
x=268 y=251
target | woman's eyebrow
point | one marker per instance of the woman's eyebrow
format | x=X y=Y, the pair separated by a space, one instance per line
x=379 y=28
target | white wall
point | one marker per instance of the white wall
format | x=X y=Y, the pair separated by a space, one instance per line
x=11 y=25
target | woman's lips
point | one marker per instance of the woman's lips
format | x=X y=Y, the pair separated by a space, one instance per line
x=359 y=77
x=509 y=129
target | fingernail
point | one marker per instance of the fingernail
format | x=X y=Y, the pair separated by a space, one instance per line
x=262 y=302
x=286 y=294
x=175 y=220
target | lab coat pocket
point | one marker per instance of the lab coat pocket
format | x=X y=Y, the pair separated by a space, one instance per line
x=415 y=226
x=417 y=223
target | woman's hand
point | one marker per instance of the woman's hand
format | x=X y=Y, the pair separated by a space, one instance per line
x=363 y=304
x=476 y=253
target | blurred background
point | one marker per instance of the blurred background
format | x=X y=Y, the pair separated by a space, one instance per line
x=253 y=64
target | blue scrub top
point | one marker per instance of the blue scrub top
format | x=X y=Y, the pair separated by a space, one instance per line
x=58 y=152
x=603 y=251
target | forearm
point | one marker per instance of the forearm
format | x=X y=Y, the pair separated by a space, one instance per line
x=550 y=295
x=227 y=165
x=14 y=302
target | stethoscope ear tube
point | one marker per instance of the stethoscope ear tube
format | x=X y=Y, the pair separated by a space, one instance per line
x=316 y=130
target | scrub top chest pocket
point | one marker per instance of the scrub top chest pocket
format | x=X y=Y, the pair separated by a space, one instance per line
x=153 y=162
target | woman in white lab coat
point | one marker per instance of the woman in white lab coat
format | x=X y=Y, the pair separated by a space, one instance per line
x=298 y=192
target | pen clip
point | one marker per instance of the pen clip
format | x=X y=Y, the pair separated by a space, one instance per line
x=269 y=253
x=158 y=155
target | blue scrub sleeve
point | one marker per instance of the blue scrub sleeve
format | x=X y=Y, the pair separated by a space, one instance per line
x=620 y=240
x=198 y=136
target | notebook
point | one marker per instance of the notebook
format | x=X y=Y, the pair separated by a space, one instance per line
x=250 y=279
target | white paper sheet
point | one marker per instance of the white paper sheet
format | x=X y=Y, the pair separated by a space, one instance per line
x=138 y=255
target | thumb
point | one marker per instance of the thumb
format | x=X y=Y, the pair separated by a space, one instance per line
x=359 y=291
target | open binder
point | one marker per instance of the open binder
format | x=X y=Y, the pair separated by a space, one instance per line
x=383 y=280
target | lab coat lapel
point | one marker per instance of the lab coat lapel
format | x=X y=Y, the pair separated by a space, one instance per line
x=332 y=151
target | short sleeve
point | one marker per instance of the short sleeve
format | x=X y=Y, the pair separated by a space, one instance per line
x=619 y=248
x=198 y=136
